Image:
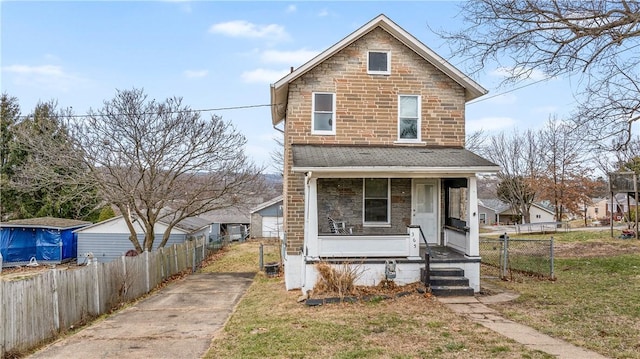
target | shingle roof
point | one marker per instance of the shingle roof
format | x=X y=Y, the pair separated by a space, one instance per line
x=392 y=158
x=494 y=204
x=45 y=222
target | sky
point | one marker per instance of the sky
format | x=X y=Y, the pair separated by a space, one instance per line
x=220 y=55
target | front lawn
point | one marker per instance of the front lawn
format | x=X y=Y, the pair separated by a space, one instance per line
x=595 y=301
x=270 y=323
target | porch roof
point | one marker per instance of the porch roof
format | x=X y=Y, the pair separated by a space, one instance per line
x=361 y=159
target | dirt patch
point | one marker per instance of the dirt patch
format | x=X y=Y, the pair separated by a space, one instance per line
x=610 y=248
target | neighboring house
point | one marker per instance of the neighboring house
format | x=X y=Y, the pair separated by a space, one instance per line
x=489 y=211
x=537 y=214
x=494 y=211
x=109 y=240
x=47 y=240
x=601 y=208
x=374 y=138
x=231 y=221
x=266 y=220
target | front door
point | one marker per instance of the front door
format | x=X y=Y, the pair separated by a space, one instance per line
x=424 y=207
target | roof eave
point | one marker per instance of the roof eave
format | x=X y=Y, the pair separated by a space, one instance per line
x=403 y=170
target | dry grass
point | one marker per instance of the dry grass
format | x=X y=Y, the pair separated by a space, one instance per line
x=270 y=323
x=339 y=280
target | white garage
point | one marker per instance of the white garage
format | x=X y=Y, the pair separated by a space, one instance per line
x=267 y=221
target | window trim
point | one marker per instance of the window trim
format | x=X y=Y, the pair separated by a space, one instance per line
x=366 y=223
x=418 y=120
x=374 y=72
x=313 y=114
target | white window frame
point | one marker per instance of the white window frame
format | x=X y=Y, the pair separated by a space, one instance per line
x=366 y=223
x=418 y=122
x=313 y=114
x=373 y=72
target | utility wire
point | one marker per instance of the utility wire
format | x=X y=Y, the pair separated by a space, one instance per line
x=152 y=113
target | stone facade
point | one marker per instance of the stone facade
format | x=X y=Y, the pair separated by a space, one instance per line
x=341 y=199
x=367 y=115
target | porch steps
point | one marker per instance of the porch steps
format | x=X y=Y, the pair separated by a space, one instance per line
x=449 y=282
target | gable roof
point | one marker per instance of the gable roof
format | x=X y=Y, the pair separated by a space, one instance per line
x=188 y=225
x=387 y=159
x=494 y=204
x=279 y=90
x=267 y=204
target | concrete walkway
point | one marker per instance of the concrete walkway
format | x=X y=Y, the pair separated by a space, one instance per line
x=476 y=310
x=179 y=321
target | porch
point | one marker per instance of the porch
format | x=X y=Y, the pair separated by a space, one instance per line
x=387 y=213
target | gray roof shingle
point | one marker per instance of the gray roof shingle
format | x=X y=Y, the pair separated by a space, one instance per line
x=315 y=156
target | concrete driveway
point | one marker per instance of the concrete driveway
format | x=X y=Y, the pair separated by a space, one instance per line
x=178 y=321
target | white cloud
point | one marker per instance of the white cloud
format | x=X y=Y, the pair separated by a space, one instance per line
x=531 y=74
x=263 y=75
x=489 y=124
x=48 y=76
x=323 y=13
x=196 y=73
x=296 y=57
x=241 y=28
x=291 y=9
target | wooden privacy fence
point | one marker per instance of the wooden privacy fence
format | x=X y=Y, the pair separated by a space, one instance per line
x=36 y=309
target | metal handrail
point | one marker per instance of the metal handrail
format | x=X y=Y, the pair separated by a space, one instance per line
x=427 y=257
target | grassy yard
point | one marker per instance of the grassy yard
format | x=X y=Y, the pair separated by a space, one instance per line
x=595 y=301
x=270 y=323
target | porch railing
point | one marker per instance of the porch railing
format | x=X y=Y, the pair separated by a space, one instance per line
x=427 y=257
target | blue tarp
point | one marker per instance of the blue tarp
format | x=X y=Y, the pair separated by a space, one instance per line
x=43 y=244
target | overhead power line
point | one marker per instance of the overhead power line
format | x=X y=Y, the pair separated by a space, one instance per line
x=151 y=113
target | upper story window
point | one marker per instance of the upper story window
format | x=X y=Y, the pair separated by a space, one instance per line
x=324 y=113
x=379 y=62
x=409 y=118
x=376 y=201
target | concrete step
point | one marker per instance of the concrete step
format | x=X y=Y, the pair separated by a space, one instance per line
x=447 y=272
x=451 y=291
x=452 y=281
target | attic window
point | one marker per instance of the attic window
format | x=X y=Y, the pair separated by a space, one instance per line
x=379 y=62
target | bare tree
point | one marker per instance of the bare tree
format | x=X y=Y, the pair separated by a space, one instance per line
x=475 y=141
x=564 y=178
x=596 y=38
x=277 y=156
x=161 y=162
x=517 y=156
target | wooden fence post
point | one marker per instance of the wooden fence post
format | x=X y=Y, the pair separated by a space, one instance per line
x=175 y=256
x=96 y=280
x=56 y=301
x=124 y=276
x=3 y=327
x=146 y=265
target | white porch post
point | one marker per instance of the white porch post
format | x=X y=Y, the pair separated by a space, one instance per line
x=311 y=218
x=473 y=237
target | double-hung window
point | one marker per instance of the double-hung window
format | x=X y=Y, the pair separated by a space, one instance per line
x=409 y=118
x=379 y=62
x=324 y=113
x=376 y=201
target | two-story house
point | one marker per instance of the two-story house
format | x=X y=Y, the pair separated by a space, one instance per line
x=374 y=139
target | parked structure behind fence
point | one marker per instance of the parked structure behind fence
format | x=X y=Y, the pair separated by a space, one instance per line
x=515 y=257
x=36 y=309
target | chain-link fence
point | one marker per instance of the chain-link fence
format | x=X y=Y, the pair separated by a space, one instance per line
x=508 y=258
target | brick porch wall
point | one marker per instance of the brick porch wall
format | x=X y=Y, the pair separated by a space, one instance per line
x=367 y=112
